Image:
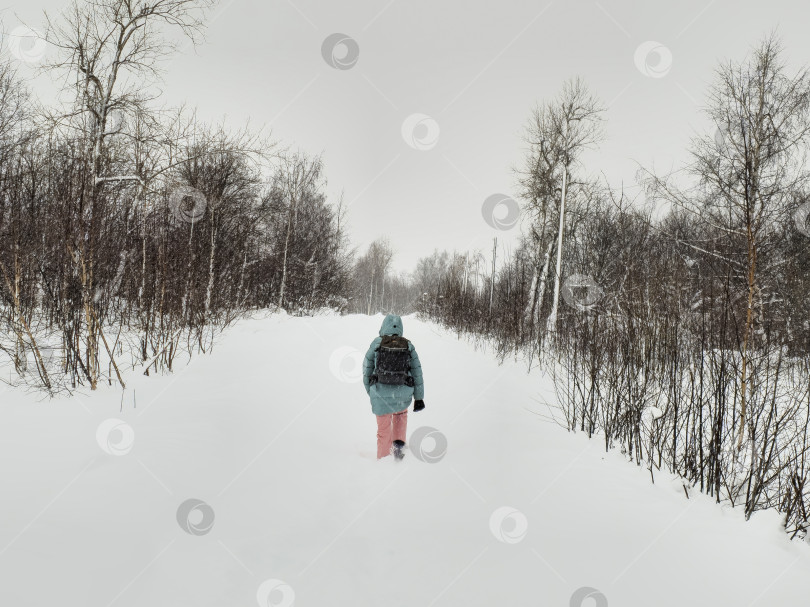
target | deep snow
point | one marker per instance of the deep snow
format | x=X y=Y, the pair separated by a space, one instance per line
x=273 y=435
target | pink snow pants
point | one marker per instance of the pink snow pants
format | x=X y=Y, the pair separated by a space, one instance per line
x=390 y=427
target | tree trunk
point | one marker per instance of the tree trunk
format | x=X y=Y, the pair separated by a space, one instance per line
x=537 y=290
x=286 y=249
x=371 y=291
x=210 y=289
x=492 y=281
x=552 y=318
x=749 y=318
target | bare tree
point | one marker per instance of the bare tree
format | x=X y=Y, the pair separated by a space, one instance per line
x=748 y=173
x=558 y=132
x=298 y=176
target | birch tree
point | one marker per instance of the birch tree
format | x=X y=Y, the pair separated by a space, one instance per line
x=749 y=172
x=755 y=167
x=297 y=177
x=558 y=133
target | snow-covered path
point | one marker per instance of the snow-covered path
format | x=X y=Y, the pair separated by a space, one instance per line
x=273 y=434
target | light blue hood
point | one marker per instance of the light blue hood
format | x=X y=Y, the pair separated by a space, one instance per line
x=391 y=325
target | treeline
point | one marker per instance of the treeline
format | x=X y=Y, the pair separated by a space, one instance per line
x=683 y=336
x=130 y=233
x=375 y=288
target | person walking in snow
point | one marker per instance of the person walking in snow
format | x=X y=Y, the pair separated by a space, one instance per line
x=392 y=376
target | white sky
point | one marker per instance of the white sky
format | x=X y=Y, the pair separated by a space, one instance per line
x=477 y=69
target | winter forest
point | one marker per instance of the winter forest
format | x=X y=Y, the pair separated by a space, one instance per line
x=670 y=318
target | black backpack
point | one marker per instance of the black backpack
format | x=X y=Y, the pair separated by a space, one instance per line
x=393 y=362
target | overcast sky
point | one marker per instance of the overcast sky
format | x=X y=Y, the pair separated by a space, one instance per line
x=475 y=69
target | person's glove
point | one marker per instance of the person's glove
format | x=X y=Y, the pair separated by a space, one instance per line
x=418 y=405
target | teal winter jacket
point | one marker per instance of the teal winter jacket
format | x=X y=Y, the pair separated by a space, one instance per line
x=392 y=399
